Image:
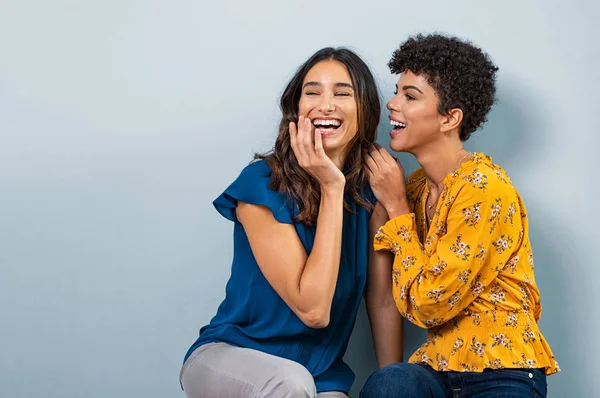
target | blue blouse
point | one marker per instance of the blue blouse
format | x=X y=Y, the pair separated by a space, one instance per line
x=252 y=315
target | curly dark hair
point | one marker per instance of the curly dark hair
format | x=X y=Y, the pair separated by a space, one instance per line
x=286 y=174
x=462 y=75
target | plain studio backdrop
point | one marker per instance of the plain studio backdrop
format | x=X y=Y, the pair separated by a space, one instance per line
x=121 y=121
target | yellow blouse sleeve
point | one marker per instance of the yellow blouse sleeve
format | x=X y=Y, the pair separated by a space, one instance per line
x=482 y=233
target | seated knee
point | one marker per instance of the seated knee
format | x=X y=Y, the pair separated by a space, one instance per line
x=400 y=380
x=293 y=384
x=297 y=387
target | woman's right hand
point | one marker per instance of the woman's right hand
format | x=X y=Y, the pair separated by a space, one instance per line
x=308 y=147
x=386 y=177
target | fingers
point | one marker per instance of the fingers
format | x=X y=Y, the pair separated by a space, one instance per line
x=295 y=142
x=381 y=155
x=376 y=155
x=319 y=151
x=306 y=142
x=293 y=136
x=297 y=138
x=305 y=128
x=385 y=155
x=370 y=162
x=381 y=165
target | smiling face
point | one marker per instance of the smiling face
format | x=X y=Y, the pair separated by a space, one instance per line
x=328 y=100
x=414 y=116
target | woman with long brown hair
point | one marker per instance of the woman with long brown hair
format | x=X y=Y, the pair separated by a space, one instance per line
x=301 y=215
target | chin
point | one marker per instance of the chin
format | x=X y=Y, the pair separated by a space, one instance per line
x=398 y=146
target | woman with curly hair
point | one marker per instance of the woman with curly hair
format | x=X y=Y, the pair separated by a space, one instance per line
x=461 y=263
x=301 y=215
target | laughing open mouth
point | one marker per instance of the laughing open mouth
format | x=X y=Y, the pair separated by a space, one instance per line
x=397 y=125
x=327 y=125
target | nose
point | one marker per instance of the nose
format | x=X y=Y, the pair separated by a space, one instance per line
x=393 y=104
x=326 y=106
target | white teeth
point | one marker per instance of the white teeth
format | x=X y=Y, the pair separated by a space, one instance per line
x=397 y=124
x=328 y=122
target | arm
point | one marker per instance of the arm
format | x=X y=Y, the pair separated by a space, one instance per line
x=386 y=321
x=432 y=289
x=305 y=282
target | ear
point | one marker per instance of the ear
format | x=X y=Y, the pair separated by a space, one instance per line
x=452 y=120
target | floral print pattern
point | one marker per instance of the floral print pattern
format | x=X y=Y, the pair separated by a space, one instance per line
x=460 y=248
x=472 y=214
x=471 y=282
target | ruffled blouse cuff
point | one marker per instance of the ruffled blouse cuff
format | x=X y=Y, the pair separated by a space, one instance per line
x=395 y=233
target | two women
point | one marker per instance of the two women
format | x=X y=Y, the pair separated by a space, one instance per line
x=450 y=248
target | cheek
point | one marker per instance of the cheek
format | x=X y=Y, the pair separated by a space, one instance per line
x=420 y=114
x=303 y=107
x=351 y=113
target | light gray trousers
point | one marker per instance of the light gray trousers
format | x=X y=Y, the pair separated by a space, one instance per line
x=219 y=370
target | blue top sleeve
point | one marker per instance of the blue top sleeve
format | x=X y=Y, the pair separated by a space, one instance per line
x=252 y=186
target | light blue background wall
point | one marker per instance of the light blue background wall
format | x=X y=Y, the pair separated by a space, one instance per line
x=120 y=121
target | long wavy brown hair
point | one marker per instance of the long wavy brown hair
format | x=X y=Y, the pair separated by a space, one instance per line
x=286 y=174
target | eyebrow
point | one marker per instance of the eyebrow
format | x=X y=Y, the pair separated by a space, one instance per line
x=347 y=85
x=409 y=87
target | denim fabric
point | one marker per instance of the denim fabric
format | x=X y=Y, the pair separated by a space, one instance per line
x=404 y=380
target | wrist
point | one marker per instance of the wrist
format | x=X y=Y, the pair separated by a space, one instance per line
x=333 y=189
x=397 y=209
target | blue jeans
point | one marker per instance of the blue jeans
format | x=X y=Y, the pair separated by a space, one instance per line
x=404 y=380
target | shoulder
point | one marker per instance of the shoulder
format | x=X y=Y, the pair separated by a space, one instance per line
x=483 y=178
x=258 y=169
x=256 y=176
x=252 y=186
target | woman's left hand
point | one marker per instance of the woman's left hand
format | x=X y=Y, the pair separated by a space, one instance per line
x=386 y=177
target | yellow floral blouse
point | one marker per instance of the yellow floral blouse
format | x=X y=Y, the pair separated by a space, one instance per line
x=470 y=278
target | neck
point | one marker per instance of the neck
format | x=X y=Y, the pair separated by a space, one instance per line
x=440 y=160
